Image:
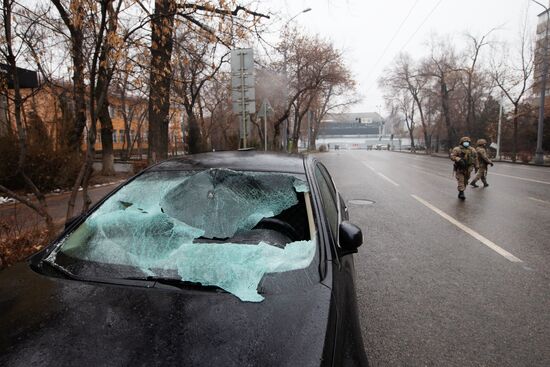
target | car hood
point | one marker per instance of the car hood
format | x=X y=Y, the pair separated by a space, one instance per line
x=52 y=321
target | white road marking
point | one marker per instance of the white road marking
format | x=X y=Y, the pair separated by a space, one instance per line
x=539 y=200
x=470 y=231
x=368 y=166
x=433 y=173
x=381 y=175
x=520 y=178
x=387 y=179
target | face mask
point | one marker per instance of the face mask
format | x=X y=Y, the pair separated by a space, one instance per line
x=466 y=144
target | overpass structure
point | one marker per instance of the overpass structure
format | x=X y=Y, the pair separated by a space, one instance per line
x=358 y=131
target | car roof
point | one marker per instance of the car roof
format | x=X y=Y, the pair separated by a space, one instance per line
x=238 y=160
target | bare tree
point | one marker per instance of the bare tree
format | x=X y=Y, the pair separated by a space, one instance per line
x=441 y=66
x=199 y=14
x=9 y=54
x=404 y=76
x=73 y=17
x=473 y=76
x=511 y=73
x=197 y=61
x=401 y=103
x=313 y=65
x=100 y=71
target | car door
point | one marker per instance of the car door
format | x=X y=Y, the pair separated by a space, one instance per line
x=349 y=348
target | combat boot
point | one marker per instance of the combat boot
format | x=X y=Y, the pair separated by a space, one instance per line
x=485 y=184
x=461 y=195
x=474 y=184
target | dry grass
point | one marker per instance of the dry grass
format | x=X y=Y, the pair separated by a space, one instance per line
x=17 y=244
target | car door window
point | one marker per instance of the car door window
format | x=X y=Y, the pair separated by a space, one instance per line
x=328 y=197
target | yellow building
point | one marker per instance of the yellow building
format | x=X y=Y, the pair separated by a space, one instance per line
x=130 y=127
x=50 y=110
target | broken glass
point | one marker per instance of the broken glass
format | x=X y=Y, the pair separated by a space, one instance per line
x=224 y=201
x=154 y=222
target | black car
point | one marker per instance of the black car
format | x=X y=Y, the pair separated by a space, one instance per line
x=217 y=259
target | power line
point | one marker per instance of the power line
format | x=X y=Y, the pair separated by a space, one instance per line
x=412 y=36
x=393 y=38
x=421 y=25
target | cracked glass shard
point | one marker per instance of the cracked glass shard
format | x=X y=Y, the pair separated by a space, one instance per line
x=301 y=186
x=153 y=222
x=238 y=268
x=225 y=201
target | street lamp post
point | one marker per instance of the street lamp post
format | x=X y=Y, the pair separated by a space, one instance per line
x=539 y=154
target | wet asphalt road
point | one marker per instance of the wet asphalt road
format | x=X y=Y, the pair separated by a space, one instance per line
x=442 y=282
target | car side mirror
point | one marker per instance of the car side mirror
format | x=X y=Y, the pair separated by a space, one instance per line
x=350 y=237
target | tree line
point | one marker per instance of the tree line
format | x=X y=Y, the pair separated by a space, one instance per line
x=455 y=91
x=171 y=55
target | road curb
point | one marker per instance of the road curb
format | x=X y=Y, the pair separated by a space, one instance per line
x=547 y=165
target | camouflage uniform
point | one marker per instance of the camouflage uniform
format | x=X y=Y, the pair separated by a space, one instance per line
x=465 y=159
x=483 y=161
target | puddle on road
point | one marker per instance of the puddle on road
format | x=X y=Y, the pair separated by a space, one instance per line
x=360 y=202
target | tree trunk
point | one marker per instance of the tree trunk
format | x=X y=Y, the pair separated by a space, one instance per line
x=79 y=90
x=276 y=144
x=411 y=135
x=469 y=106
x=315 y=133
x=42 y=208
x=108 y=157
x=194 y=141
x=515 y=137
x=423 y=122
x=162 y=25
x=451 y=133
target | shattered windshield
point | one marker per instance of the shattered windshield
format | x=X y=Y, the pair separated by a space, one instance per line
x=216 y=227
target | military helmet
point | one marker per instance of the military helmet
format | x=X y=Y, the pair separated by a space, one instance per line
x=481 y=142
x=465 y=138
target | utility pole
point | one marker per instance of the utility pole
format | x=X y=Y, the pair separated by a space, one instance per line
x=243 y=101
x=308 y=129
x=243 y=95
x=265 y=109
x=539 y=153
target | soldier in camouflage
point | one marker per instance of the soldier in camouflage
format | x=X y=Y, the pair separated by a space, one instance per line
x=465 y=159
x=483 y=161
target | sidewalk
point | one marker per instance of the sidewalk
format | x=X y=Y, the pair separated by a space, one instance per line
x=97 y=181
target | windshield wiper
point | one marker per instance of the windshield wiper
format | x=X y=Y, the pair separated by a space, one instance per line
x=60 y=270
x=179 y=283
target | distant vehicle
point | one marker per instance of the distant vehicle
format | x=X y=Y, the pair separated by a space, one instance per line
x=218 y=259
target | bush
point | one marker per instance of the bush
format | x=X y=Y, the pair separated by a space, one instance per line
x=46 y=167
x=322 y=148
x=525 y=156
x=139 y=166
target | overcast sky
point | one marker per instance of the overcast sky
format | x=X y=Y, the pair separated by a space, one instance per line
x=373 y=32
